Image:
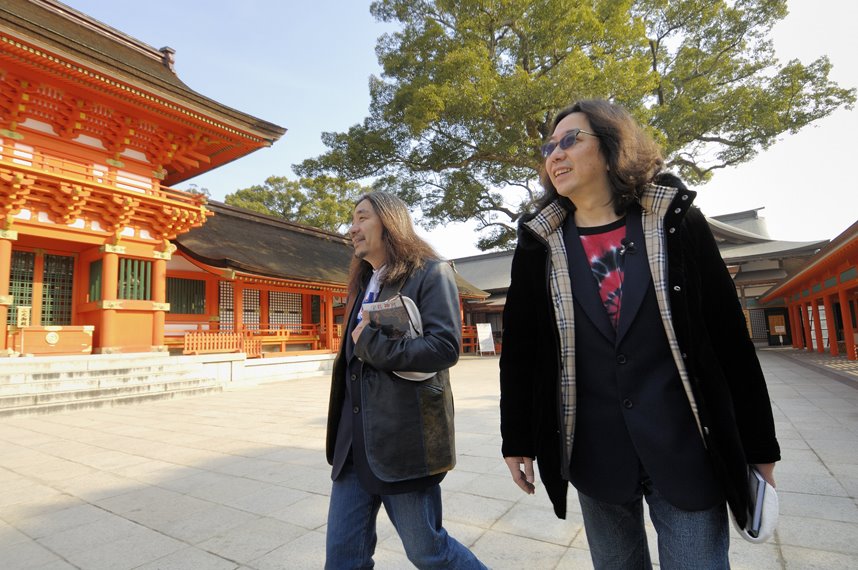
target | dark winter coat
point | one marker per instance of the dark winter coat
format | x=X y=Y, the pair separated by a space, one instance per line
x=401 y=432
x=703 y=325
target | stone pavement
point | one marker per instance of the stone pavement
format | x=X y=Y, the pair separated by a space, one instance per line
x=238 y=480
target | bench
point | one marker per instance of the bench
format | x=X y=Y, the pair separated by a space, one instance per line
x=287 y=335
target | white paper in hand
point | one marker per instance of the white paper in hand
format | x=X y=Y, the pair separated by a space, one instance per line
x=398 y=317
x=417 y=328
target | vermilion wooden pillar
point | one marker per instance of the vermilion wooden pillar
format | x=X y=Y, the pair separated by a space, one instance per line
x=109 y=288
x=265 y=308
x=38 y=287
x=238 y=306
x=817 y=326
x=159 y=298
x=794 y=323
x=6 y=239
x=807 y=315
x=328 y=304
x=831 y=325
x=846 y=317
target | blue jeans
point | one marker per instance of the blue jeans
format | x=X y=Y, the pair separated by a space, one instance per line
x=416 y=516
x=693 y=540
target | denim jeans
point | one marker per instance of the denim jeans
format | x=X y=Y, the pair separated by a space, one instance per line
x=693 y=540
x=416 y=516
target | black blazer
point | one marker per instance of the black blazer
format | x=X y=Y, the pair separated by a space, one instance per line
x=632 y=410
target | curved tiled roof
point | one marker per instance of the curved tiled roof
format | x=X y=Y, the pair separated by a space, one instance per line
x=771 y=249
x=56 y=26
x=490 y=270
x=242 y=240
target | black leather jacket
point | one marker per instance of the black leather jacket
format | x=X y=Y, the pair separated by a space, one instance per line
x=404 y=428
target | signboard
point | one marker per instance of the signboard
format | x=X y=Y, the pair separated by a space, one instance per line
x=777 y=327
x=23 y=316
x=485 y=338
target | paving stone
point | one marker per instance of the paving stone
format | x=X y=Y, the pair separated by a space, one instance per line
x=252 y=540
x=27 y=554
x=310 y=512
x=206 y=524
x=818 y=534
x=126 y=552
x=189 y=559
x=307 y=552
x=501 y=550
x=54 y=522
x=811 y=559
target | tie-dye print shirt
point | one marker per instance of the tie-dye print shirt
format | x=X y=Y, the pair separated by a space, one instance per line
x=603 y=248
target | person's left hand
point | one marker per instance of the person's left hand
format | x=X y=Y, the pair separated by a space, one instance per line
x=523 y=478
x=767 y=470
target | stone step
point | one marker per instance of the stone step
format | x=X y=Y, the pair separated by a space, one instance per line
x=58 y=383
x=8 y=375
x=33 y=399
x=93 y=364
x=76 y=400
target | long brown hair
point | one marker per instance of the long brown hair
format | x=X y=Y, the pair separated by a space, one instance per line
x=405 y=251
x=633 y=157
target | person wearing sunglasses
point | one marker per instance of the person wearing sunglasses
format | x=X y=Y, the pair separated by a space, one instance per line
x=627 y=368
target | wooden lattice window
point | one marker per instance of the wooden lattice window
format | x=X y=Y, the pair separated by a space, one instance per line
x=21 y=283
x=96 y=274
x=315 y=309
x=135 y=279
x=758 y=325
x=250 y=308
x=284 y=308
x=57 y=284
x=225 y=296
x=186 y=296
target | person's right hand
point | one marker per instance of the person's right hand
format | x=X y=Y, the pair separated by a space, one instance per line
x=524 y=479
x=359 y=328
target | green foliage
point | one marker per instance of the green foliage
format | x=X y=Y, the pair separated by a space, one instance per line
x=198 y=190
x=323 y=202
x=469 y=87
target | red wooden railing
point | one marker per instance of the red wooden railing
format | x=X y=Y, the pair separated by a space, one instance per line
x=212 y=342
x=195 y=337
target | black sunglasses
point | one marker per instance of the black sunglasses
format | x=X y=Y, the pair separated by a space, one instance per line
x=567 y=140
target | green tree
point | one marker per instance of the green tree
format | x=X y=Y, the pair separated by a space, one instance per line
x=468 y=89
x=323 y=202
x=198 y=190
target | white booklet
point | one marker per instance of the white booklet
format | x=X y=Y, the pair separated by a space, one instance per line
x=398 y=317
x=762 y=509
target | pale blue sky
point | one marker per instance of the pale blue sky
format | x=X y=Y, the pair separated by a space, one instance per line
x=305 y=65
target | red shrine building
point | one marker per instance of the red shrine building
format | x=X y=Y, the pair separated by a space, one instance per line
x=98 y=253
x=95 y=129
x=822 y=298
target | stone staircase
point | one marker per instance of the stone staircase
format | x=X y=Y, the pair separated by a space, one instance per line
x=35 y=385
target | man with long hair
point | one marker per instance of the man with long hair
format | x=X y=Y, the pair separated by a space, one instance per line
x=627 y=368
x=391 y=439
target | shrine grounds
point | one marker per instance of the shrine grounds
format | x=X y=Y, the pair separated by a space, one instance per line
x=238 y=480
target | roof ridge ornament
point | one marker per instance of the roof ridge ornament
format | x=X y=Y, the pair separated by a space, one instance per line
x=168 y=57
